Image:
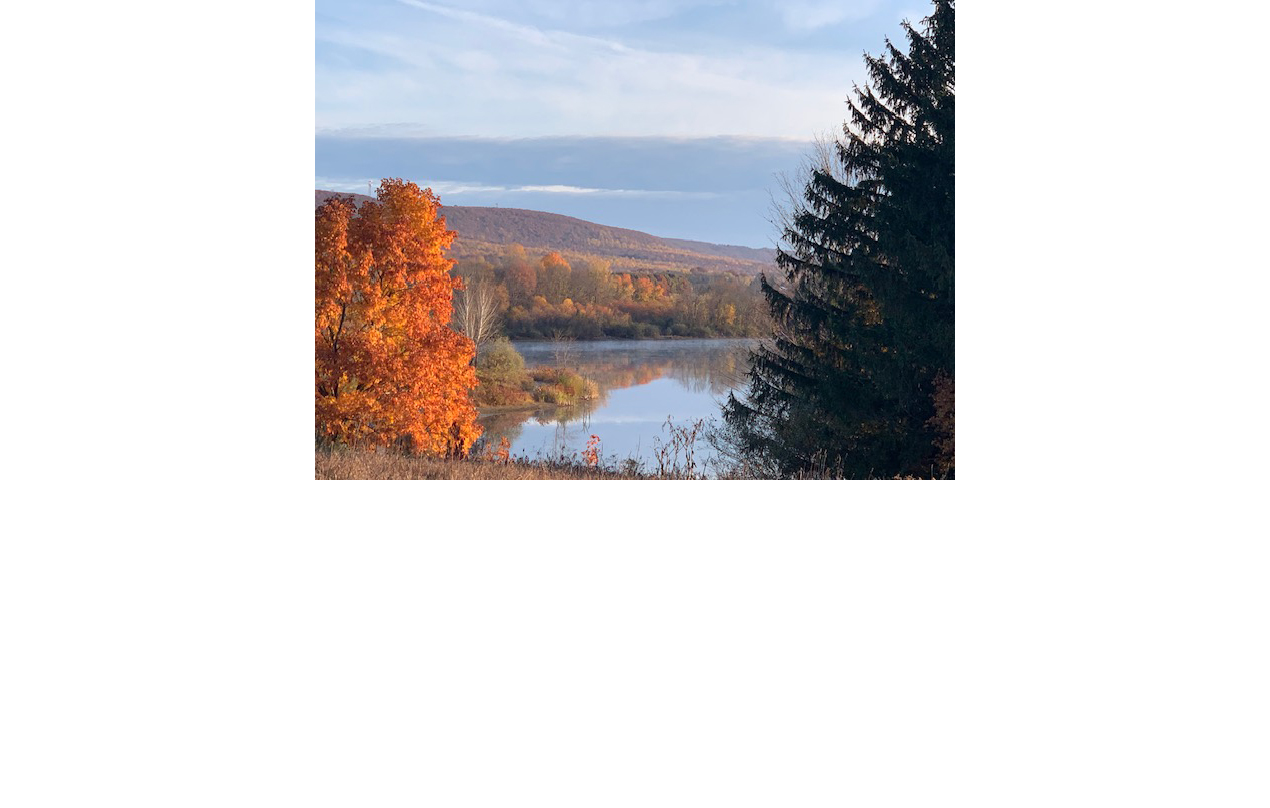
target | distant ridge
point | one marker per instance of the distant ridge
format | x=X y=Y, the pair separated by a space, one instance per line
x=485 y=231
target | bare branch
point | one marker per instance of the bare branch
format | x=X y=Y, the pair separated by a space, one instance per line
x=476 y=312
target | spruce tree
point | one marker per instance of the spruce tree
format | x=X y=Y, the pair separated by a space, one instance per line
x=863 y=304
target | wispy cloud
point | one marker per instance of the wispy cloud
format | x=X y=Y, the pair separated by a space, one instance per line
x=632 y=192
x=607 y=110
x=362 y=185
x=526 y=33
x=471 y=72
x=808 y=15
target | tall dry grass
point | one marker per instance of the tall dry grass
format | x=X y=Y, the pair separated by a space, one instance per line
x=674 y=459
x=353 y=464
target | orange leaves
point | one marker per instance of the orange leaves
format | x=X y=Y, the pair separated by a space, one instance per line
x=553 y=277
x=648 y=290
x=554 y=260
x=522 y=280
x=389 y=371
x=501 y=455
x=591 y=454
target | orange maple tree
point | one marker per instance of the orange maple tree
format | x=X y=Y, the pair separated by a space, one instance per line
x=389 y=369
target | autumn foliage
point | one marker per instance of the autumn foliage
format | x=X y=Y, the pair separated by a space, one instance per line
x=389 y=369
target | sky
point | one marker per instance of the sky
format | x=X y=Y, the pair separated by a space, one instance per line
x=675 y=118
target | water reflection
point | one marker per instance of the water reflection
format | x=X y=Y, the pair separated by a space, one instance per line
x=641 y=383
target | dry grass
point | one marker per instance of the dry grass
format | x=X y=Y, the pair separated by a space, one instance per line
x=675 y=459
x=349 y=464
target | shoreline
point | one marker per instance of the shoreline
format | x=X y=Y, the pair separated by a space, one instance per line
x=536 y=407
x=576 y=340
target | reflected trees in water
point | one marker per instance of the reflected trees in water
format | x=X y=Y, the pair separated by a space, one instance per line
x=682 y=379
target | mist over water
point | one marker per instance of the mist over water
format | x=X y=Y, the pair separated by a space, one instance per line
x=642 y=384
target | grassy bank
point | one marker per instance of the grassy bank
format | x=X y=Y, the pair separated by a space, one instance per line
x=358 y=464
x=352 y=464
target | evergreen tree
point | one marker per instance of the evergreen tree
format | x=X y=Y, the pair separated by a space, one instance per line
x=864 y=303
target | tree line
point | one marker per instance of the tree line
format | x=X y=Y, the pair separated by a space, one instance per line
x=523 y=296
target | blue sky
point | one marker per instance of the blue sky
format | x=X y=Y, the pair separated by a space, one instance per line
x=668 y=117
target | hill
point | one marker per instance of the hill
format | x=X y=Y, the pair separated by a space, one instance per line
x=487 y=231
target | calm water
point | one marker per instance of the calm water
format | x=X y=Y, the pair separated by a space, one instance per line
x=642 y=383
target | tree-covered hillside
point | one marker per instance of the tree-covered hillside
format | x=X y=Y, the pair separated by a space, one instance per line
x=486 y=232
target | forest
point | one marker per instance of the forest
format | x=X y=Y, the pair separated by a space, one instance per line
x=525 y=296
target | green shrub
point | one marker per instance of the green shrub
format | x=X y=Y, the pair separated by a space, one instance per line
x=572 y=384
x=499 y=362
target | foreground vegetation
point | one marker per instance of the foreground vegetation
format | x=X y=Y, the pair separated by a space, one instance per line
x=353 y=464
x=387 y=464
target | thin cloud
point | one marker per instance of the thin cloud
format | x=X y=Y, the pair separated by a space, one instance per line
x=528 y=33
x=476 y=73
x=461 y=187
x=809 y=15
x=635 y=192
x=594 y=13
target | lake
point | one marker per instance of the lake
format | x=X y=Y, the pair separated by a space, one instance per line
x=642 y=384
